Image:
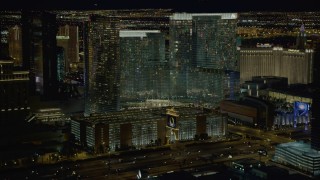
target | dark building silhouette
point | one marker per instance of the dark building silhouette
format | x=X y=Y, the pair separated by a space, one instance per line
x=315 y=123
x=4 y=48
x=15 y=45
x=294 y=64
x=61 y=63
x=10 y=36
x=142 y=127
x=250 y=111
x=39 y=31
x=14 y=104
x=316 y=62
x=68 y=39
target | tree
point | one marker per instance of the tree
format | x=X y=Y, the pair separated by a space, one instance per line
x=203 y=136
x=101 y=149
x=67 y=149
x=196 y=137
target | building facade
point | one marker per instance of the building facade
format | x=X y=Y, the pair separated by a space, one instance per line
x=61 y=65
x=296 y=65
x=202 y=50
x=315 y=123
x=259 y=85
x=141 y=127
x=14 y=93
x=102 y=71
x=68 y=39
x=214 y=41
x=299 y=155
x=250 y=111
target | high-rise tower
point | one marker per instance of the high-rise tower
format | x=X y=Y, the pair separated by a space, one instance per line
x=214 y=41
x=68 y=39
x=39 y=31
x=202 y=47
x=180 y=43
x=142 y=54
x=315 y=123
x=103 y=66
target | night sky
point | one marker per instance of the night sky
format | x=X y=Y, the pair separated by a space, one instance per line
x=177 y=5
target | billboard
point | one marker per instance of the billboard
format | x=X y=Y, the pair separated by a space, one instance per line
x=301 y=109
x=301 y=113
x=172 y=121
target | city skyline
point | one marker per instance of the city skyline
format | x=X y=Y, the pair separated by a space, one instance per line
x=187 y=6
x=191 y=58
x=158 y=92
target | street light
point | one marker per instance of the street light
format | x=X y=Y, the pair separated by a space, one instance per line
x=109 y=162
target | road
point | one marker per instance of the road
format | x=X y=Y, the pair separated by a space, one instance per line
x=181 y=156
x=250 y=132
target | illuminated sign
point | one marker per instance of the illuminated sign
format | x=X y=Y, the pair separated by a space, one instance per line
x=293 y=50
x=139 y=176
x=172 y=121
x=266 y=45
x=37 y=79
x=4 y=32
x=278 y=48
x=62 y=37
x=301 y=109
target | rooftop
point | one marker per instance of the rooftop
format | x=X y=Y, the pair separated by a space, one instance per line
x=301 y=90
x=188 y=16
x=136 y=33
x=300 y=148
x=6 y=61
x=138 y=114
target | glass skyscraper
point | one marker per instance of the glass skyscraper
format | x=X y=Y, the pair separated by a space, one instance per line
x=103 y=68
x=180 y=53
x=60 y=64
x=214 y=41
x=202 y=48
x=39 y=31
x=144 y=71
